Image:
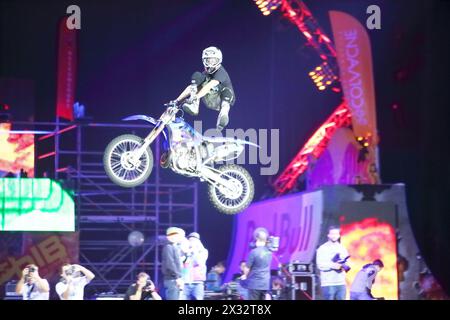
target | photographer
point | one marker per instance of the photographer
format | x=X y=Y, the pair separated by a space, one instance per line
x=31 y=286
x=258 y=262
x=242 y=275
x=241 y=280
x=143 y=289
x=214 y=277
x=331 y=261
x=73 y=280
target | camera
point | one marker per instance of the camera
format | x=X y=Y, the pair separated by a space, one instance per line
x=70 y=271
x=342 y=262
x=148 y=285
x=30 y=270
x=231 y=289
x=273 y=243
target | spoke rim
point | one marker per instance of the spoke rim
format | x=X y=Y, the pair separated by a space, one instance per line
x=119 y=161
x=243 y=194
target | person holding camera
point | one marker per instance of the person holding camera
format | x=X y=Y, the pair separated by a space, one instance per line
x=331 y=260
x=243 y=271
x=258 y=263
x=214 y=277
x=361 y=288
x=240 y=279
x=31 y=286
x=73 y=280
x=142 y=289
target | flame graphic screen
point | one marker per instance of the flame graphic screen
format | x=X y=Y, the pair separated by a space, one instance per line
x=367 y=240
x=16 y=151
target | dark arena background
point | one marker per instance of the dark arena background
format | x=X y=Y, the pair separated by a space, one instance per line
x=347 y=99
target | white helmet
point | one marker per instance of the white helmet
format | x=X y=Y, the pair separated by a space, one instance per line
x=212 y=58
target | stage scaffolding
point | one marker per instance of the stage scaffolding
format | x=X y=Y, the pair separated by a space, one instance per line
x=107 y=213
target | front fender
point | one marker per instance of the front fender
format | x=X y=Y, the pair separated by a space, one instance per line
x=141 y=117
x=149 y=119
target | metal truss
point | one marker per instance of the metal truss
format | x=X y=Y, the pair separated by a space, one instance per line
x=299 y=14
x=107 y=213
x=315 y=146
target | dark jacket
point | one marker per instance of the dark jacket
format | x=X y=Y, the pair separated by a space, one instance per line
x=171 y=262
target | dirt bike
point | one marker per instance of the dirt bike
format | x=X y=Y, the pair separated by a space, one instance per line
x=128 y=159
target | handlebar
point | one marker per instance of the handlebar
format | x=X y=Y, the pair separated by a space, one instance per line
x=176 y=105
x=172 y=103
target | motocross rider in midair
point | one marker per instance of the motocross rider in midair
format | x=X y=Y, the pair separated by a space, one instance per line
x=213 y=86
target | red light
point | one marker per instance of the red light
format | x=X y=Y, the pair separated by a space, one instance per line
x=395 y=106
x=6 y=107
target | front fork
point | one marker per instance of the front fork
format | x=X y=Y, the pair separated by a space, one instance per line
x=137 y=154
x=162 y=122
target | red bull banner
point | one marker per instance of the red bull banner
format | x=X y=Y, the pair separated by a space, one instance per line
x=295 y=219
x=67 y=71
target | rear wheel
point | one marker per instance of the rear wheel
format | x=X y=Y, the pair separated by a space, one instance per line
x=121 y=167
x=236 y=199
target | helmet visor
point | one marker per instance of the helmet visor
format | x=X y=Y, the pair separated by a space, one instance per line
x=211 y=61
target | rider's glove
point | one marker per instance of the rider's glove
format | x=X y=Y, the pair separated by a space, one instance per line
x=193 y=99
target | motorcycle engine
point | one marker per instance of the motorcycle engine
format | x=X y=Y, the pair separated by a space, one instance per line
x=184 y=157
x=206 y=150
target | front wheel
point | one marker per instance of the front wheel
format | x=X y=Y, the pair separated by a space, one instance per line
x=120 y=165
x=235 y=200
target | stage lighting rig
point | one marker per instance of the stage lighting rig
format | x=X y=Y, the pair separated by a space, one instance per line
x=267 y=6
x=323 y=75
